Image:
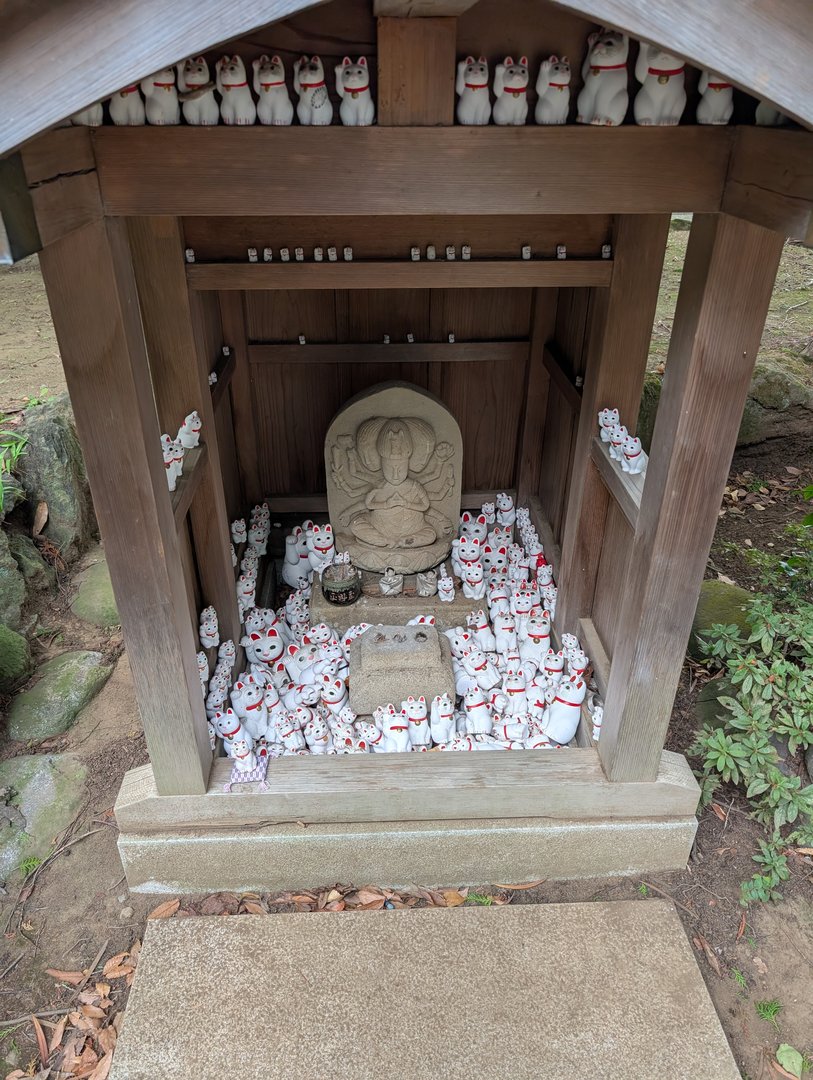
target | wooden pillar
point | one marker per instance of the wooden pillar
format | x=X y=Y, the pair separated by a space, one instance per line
x=416 y=71
x=529 y=462
x=619 y=332
x=180 y=372
x=92 y=294
x=724 y=294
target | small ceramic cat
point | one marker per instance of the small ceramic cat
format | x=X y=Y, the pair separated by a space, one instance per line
x=465 y=551
x=416 y=713
x=242 y=754
x=353 y=87
x=209 y=633
x=92 y=116
x=237 y=105
x=716 y=102
x=662 y=98
x=768 y=116
x=478 y=712
x=604 y=97
x=635 y=459
x=445 y=586
x=617 y=436
x=238 y=531
x=607 y=419
x=321 y=549
x=189 y=431
x=161 y=97
x=562 y=717
x=442 y=720
x=395 y=728
x=553 y=91
x=511 y=92
x=480 y=669
x=472 y=576
x=474 y=527
x=474 y=106
x=314 y=108
x=274 y=106
x=127 y=107
x=198 y=104
x=506 y=512
x=481 y=630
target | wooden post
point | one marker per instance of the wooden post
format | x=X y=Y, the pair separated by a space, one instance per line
x=416 y=71
x=620 y=327
x=724 y=294
x=92 y=294
x=180 y=371
x=529 y=463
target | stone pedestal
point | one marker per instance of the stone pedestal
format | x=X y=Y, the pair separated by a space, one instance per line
x=372 y=607
x=389 y=663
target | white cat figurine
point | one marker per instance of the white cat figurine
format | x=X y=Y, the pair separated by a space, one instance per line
x=662 y=98
x=189 y=431
x=511 y=92
x=92 y=116
x=474 y=586
x=353 y=87
x=617 y=435
x=198 y=104
x=716 y=102
x=474 y=106
x=314 y=108
x=445 y=586
x=127 y=107
x=562 y=717
x=274 y=105
x=604 y=98
x=161 y=96
x=553 y=91
x=321 y=549
x=237 y=105
x=442 y=720
x=607 y=419
x=767 y=116
x=635 y=459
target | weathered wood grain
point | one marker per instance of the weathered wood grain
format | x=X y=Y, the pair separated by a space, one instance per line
x=421 y=352
x=537 y=385
x=624 y=487
x=770 y=179
x=416 y=70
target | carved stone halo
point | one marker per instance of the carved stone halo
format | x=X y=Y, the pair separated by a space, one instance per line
x=393 y=459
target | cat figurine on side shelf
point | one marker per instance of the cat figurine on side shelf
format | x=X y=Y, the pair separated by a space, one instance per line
x=604 y=97
x=92 y=116
x=237 y=105
x=198 y=93
x=474 y=106
x=553 y=91
x=634 y=459
x=127 y=107
x=353 y=87
x=274 y=106
x=189 y=431
x=161 y=97
x=315 y=108
x=238 y=531
x=617 y=436
x=662 y=98
x=209 y=632
x=716 y=102
x=511 y=92
x=607 y=419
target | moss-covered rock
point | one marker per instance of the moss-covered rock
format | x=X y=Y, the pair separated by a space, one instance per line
x=707 y=708
x=38 y=575
x=719 y=602
x=15 y=659
x=94 y=601
x=650 y=396
x=66 y=684
x=778 y=404
x=12 y=586
x=40 y=795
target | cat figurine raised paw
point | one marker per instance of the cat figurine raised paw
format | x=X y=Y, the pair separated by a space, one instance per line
x=511 y=92
x=197 y=93
x=604 y=97
x=353 y=87
x=442 y=720
x=127 y=107
x=553 y=91
x=274 y=106
x=314 y=108
x=662 y=98
x=716 y=102
x=161 y=97
x=237 y=105
x=474 y=106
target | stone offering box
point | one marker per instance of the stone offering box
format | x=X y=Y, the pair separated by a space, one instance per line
x=390 y=663
x=143 y=236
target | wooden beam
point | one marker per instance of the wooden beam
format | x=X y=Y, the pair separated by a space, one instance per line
x=624 y=488
x=440 y=274
x=563 y=380
x=763 y=48
x=66 y=204
x=457 y=171
x=180 y=371
x=224 y=369
x=92 y=293
x=194 y=466
x=770 y=180
x=619 y=332
x=724 y=294
x=232 y=317
x=416 y=69
x=594 y=647
x=423 y=352
x=63 y=152
x=529 y=460
x=566 y=783
x=19 y=236
x=421 y=9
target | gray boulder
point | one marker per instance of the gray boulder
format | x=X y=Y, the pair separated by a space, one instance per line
x=12 y=586
x=94 y=601
x=38 y=574
x=65 y=685
x=718 y=602
x=52 y=470
x=15 y=659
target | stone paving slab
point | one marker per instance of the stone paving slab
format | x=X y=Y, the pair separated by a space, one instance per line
x=609 y=991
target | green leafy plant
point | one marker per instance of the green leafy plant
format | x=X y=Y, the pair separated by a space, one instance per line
x=12 y=445
x=791 y=1060
x=769 y=670
x=739 y=978
x=483 y=899
x=45 y=395
x=643 y=889
x=29 y=865
x=769 y=1010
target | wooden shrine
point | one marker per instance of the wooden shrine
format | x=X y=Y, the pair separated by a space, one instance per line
x=539 y=347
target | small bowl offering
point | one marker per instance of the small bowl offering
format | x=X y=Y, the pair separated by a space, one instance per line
x=341 y=584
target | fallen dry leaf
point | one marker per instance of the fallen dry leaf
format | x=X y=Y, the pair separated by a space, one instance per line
x=367 y=896
x=760 y=965
x=107 y=1039
x=121 y=971
x=302 y=898
x=163 y=911
x=42 y=1045
x=520 y=888
x=802 y=850
x=337 y=905
x=223 y=903
x=72 y=977
x=374 y=905
x=102 y=1070
x=741 y=927
x=793 y=470
x=453 y=898
x=718 y=810
x=102 y=989
x=703 y=945
x=333 y=895
x=92 y=1011
x=56 y=1036
x=782 y=1072
x=113 y=962
x=253 y=909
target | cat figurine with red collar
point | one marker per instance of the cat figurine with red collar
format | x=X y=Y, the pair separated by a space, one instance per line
x=716 y=103
x=553 y=667
x=617 y=436
x=577 y=663
x=442 y=724
x=446 y=591
x=236 y=105
x=514 y=686
x=321 y=548
x=317 y=735
x=505 y=633
x=511 y=92
x=634 y=458
x=534 y=639
x=607 y=419
x=465 y=551
x=553 y=91
x=478 y=712
x=604 y=98
x=242 y=754
x=127 y=107
x=189 y=431
x=334 y=694
x=480 y=629
x=395 y=729
x=353 y=87
x=263 y=646
x=161 y=98
x=315 y=108
x=209 y=632
x=274 y=106
x=228 y=727
x=562 y=716
x=248 y=702
x=506 y=511
x=473 y=579
x=495 y=559
x=291 y=735
x=415 y=711
x=474 y=527
x=662 y=98
x=479 y=668
x=471 y=87
x=292 y=573
x=198 y=101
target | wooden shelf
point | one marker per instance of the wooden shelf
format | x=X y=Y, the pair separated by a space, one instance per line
x=625 y=488
x=194 y=463
x=423 y=352
x=224 y=369
x=562 y=379
x=402 y=274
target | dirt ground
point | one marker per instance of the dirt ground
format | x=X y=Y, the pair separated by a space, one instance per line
x=79 y=913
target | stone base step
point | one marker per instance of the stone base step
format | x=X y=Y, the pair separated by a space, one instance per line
x=608 y=991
